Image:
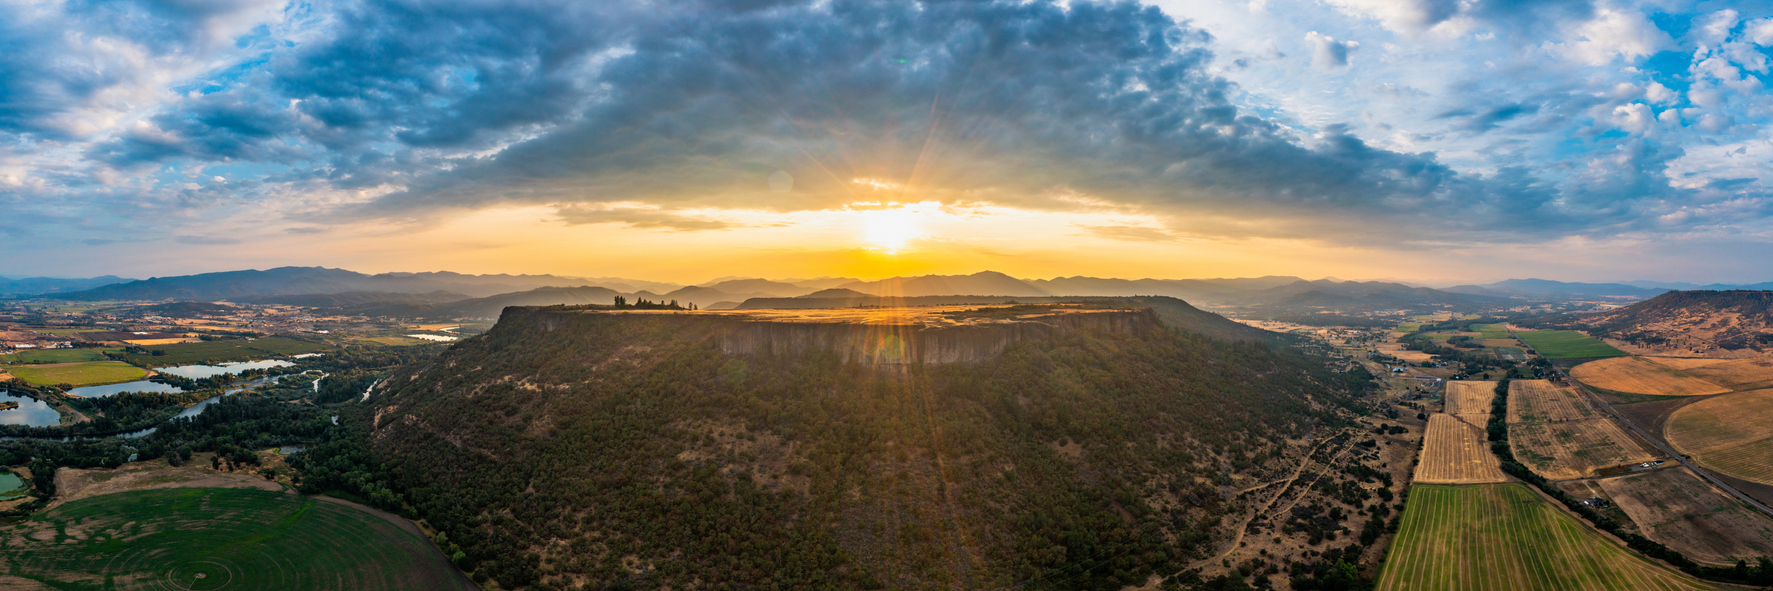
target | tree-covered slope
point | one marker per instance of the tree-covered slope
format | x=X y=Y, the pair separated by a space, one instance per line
x=627 y=451
x=1691 y=320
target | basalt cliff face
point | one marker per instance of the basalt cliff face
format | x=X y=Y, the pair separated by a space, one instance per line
x=1035 y=447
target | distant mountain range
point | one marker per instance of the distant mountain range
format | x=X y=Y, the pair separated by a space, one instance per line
x=42 y=285
x=435 y=293
x=1548 y=289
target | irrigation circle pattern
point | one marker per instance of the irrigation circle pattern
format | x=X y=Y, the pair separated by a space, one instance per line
x=205 y=574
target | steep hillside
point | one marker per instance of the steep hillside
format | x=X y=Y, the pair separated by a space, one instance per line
x=49 y=285
x=1026 y=447
x=1691 y=321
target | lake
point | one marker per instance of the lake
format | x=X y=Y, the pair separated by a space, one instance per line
x=30 y=412
x=11 y=486
x=198 y=372
x=112 y=389
x=432 y=338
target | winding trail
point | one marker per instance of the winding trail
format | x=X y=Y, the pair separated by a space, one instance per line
x=1263 y=510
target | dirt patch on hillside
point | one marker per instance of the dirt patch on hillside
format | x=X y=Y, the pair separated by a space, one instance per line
x=770 y=461
x=73 y=484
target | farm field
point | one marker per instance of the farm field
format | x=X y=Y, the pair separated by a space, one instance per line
x=1509 y=353
x=237 y=538
x=1739 y=374
x=1732 y=434
x=1567 y=344
x=1454 y=452
x=1504 y=536
x=1637 y=376
x=1676 y=508
x=223 y=351
x=1683 y=362
x=1491 y=331
x=57 y=356
x=1470 y=400
x=1560 y=437
x=79 y=374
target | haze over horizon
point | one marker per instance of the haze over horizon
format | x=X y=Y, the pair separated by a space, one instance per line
x=1420 y=140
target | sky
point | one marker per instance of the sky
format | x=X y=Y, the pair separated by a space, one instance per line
x=680 y=140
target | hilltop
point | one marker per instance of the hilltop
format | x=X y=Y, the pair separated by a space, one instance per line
x=1691 y=321
x=1040 y=447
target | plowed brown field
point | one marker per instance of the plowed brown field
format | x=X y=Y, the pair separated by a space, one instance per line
x=1683 y=362
x=1454 y=452
x=1681 y=511
x=1637 y=376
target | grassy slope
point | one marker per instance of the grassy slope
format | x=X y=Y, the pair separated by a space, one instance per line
x=1504 y=536
x=240 y=539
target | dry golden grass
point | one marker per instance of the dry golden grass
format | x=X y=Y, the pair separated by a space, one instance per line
x=1683 y=363
x=1454 y=452
x=1470 y=401
x=1634 y=375
x=1731 y=434
x=149 y=342
x=1741 y=374
x=1681 y=511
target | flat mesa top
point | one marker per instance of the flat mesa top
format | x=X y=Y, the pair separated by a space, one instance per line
x=910 y=316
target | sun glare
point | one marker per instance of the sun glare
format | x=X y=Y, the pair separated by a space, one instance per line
x=890 y=230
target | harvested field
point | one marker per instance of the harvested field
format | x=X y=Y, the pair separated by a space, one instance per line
x=1681 y=511
x=1470 y=400
x=1732 y=434
x=1560 y=436
x=1538 y=401
x=1637 y=376
x=1509 y=353
x=1576 y=449
x=1454 y=452
x=1739 y=374
x=1398 y=351
x=1504 y=536
x=1683 y=362
x=236 y=538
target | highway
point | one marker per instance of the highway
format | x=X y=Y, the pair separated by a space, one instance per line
x=1656 y=441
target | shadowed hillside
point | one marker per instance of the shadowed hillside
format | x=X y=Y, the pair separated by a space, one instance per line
x=1093 y=450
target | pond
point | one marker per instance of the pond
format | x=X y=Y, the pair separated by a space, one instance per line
x=11 y=486
x=198 y=372
x=112 y=389
x=432 y=338
x=30 y=412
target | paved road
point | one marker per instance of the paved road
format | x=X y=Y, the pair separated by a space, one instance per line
x=1656 y=441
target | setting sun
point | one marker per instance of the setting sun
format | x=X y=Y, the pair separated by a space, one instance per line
x=891 y=230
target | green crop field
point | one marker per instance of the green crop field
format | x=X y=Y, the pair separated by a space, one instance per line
x=1504 y=536
x=222 y=351
x=238 y=539
x=1490 y=331
x=57 y=355
x=1409 y=327
x=1509 y=353
x=1567 y=344
x=78 y=374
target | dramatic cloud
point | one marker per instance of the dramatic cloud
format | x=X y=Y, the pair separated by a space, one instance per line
x=1528 y=121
